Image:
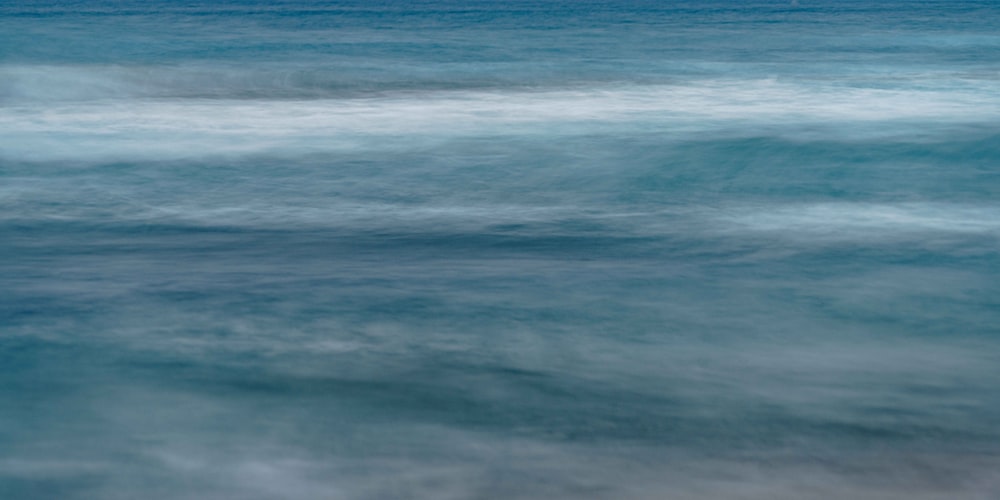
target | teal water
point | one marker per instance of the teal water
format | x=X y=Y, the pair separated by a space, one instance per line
x=456 y=249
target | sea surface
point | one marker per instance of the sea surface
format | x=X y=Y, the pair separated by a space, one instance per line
x=532 y=249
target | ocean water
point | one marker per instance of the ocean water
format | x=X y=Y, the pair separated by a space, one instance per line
x=537 y=249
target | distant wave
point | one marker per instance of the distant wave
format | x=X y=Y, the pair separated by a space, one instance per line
x=164 y=128
x=845 y=220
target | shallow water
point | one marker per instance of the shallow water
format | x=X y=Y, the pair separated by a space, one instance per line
x=452 y=249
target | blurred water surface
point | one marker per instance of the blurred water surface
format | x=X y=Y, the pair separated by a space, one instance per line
x=457 y=249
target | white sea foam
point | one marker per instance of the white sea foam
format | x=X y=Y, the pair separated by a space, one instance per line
x=869 y=220
x=182 y=128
